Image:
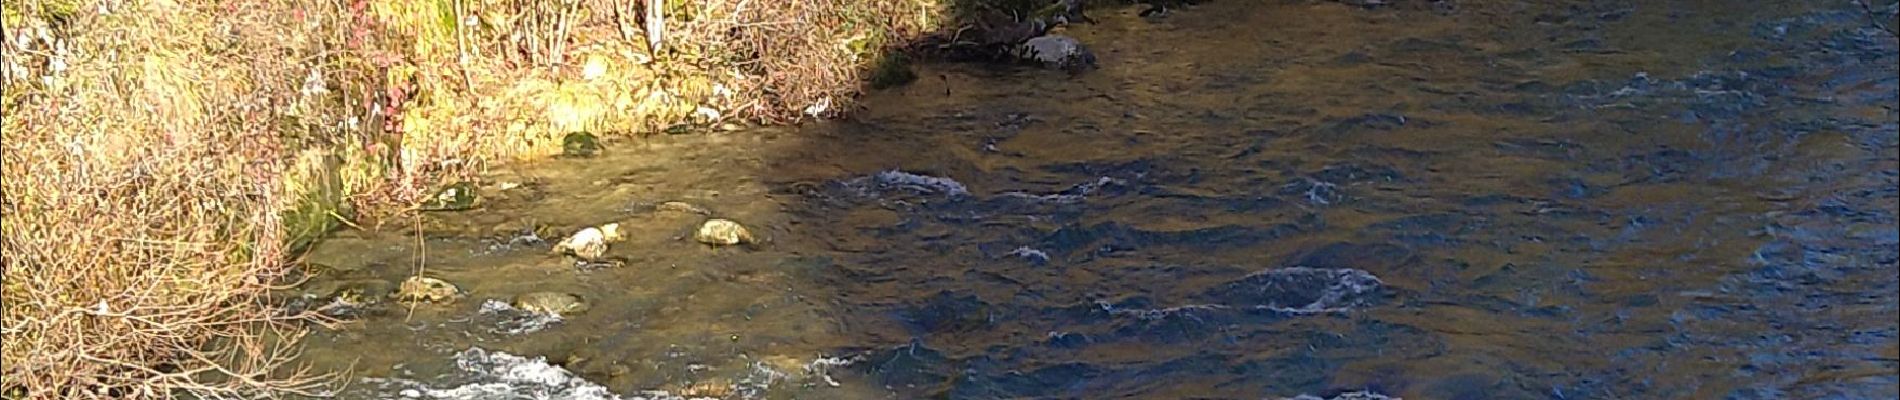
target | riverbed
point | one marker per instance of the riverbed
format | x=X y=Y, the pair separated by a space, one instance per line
x=1274 y=199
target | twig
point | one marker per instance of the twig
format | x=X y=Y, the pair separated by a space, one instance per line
x=461 y=44
x=655 y=26
x=1874 y=17
x=560 y=32
x=422 y=263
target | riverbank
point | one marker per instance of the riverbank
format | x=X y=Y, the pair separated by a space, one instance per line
x=164 y=159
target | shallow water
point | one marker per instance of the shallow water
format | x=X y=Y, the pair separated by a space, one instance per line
x=1609 y=199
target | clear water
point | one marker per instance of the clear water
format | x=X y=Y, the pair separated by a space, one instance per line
x=1566 y=200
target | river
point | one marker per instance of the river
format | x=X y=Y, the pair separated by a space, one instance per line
x=1248 y=199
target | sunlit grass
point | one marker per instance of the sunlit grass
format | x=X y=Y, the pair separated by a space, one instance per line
x=163 y=159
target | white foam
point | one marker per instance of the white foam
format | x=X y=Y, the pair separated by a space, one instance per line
x=822 y=366
x=1319 y=192
x=1346 y=289
x=898 y=179
x=1030 y=254
x=1358 y=395
x=492 y=375
x=758 y=380
x=1150 y=314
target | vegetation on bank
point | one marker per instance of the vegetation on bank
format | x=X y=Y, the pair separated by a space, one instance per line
x=162 y=158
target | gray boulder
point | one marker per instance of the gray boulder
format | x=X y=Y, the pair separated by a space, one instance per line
x=1056 y=52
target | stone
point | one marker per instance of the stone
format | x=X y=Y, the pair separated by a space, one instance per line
x=362 y=293
x=681 y=207
x=346 y=298
x=427 y=290
x=589 y=244
x=722 y=232
x=1056 y=52
x=456 y=197
x=717 y=388
x=551 y=303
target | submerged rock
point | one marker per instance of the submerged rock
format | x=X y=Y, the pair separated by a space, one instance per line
x=589 y=244
x=722 y=232
x=551 y=303
x=681 y=207
x=349 y=298
x=362 y=293
x=1056 y=52
x=1303 y=290
x=428 y=290
x=714 y=388
x=455 y=197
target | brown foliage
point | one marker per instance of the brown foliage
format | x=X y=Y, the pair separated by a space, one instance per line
x=143 y=186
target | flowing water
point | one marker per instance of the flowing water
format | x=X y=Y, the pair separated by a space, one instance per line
x=1249 y=199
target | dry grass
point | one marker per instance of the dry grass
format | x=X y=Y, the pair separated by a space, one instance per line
x=143 y=181
x=162 y=158
x=518 y=75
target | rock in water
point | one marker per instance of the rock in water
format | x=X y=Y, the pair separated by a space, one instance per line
x=722 y=232
x=349 y=299
x=551 y=303
x=589 y=244
x=425 y=289
x=681 y=207
x=1057 y=52
x=456 y=197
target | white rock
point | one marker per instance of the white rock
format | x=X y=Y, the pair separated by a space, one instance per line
x=722 y=232
x=589 y=244
x=1056 y=51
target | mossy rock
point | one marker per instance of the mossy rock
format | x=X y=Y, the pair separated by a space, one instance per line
x=321 y=208
x=580 y=144
x=552 y=303
x=352 y=298
x=455 y=197
x=426 y=290
x=679 y=129
x=892 y=70
x=681 y=207
x=363 y=293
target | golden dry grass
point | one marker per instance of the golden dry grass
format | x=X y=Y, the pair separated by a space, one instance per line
x=143 y=181
x=162 y=158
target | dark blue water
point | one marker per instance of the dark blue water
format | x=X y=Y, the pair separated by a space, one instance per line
x=1566 y=201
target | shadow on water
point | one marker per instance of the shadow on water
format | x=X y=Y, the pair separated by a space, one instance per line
x=1439 y=200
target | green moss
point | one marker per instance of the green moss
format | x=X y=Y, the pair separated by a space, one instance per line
x=580 y=144
x=318 y=211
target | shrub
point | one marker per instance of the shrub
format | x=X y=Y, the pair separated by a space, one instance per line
x=144 y=159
